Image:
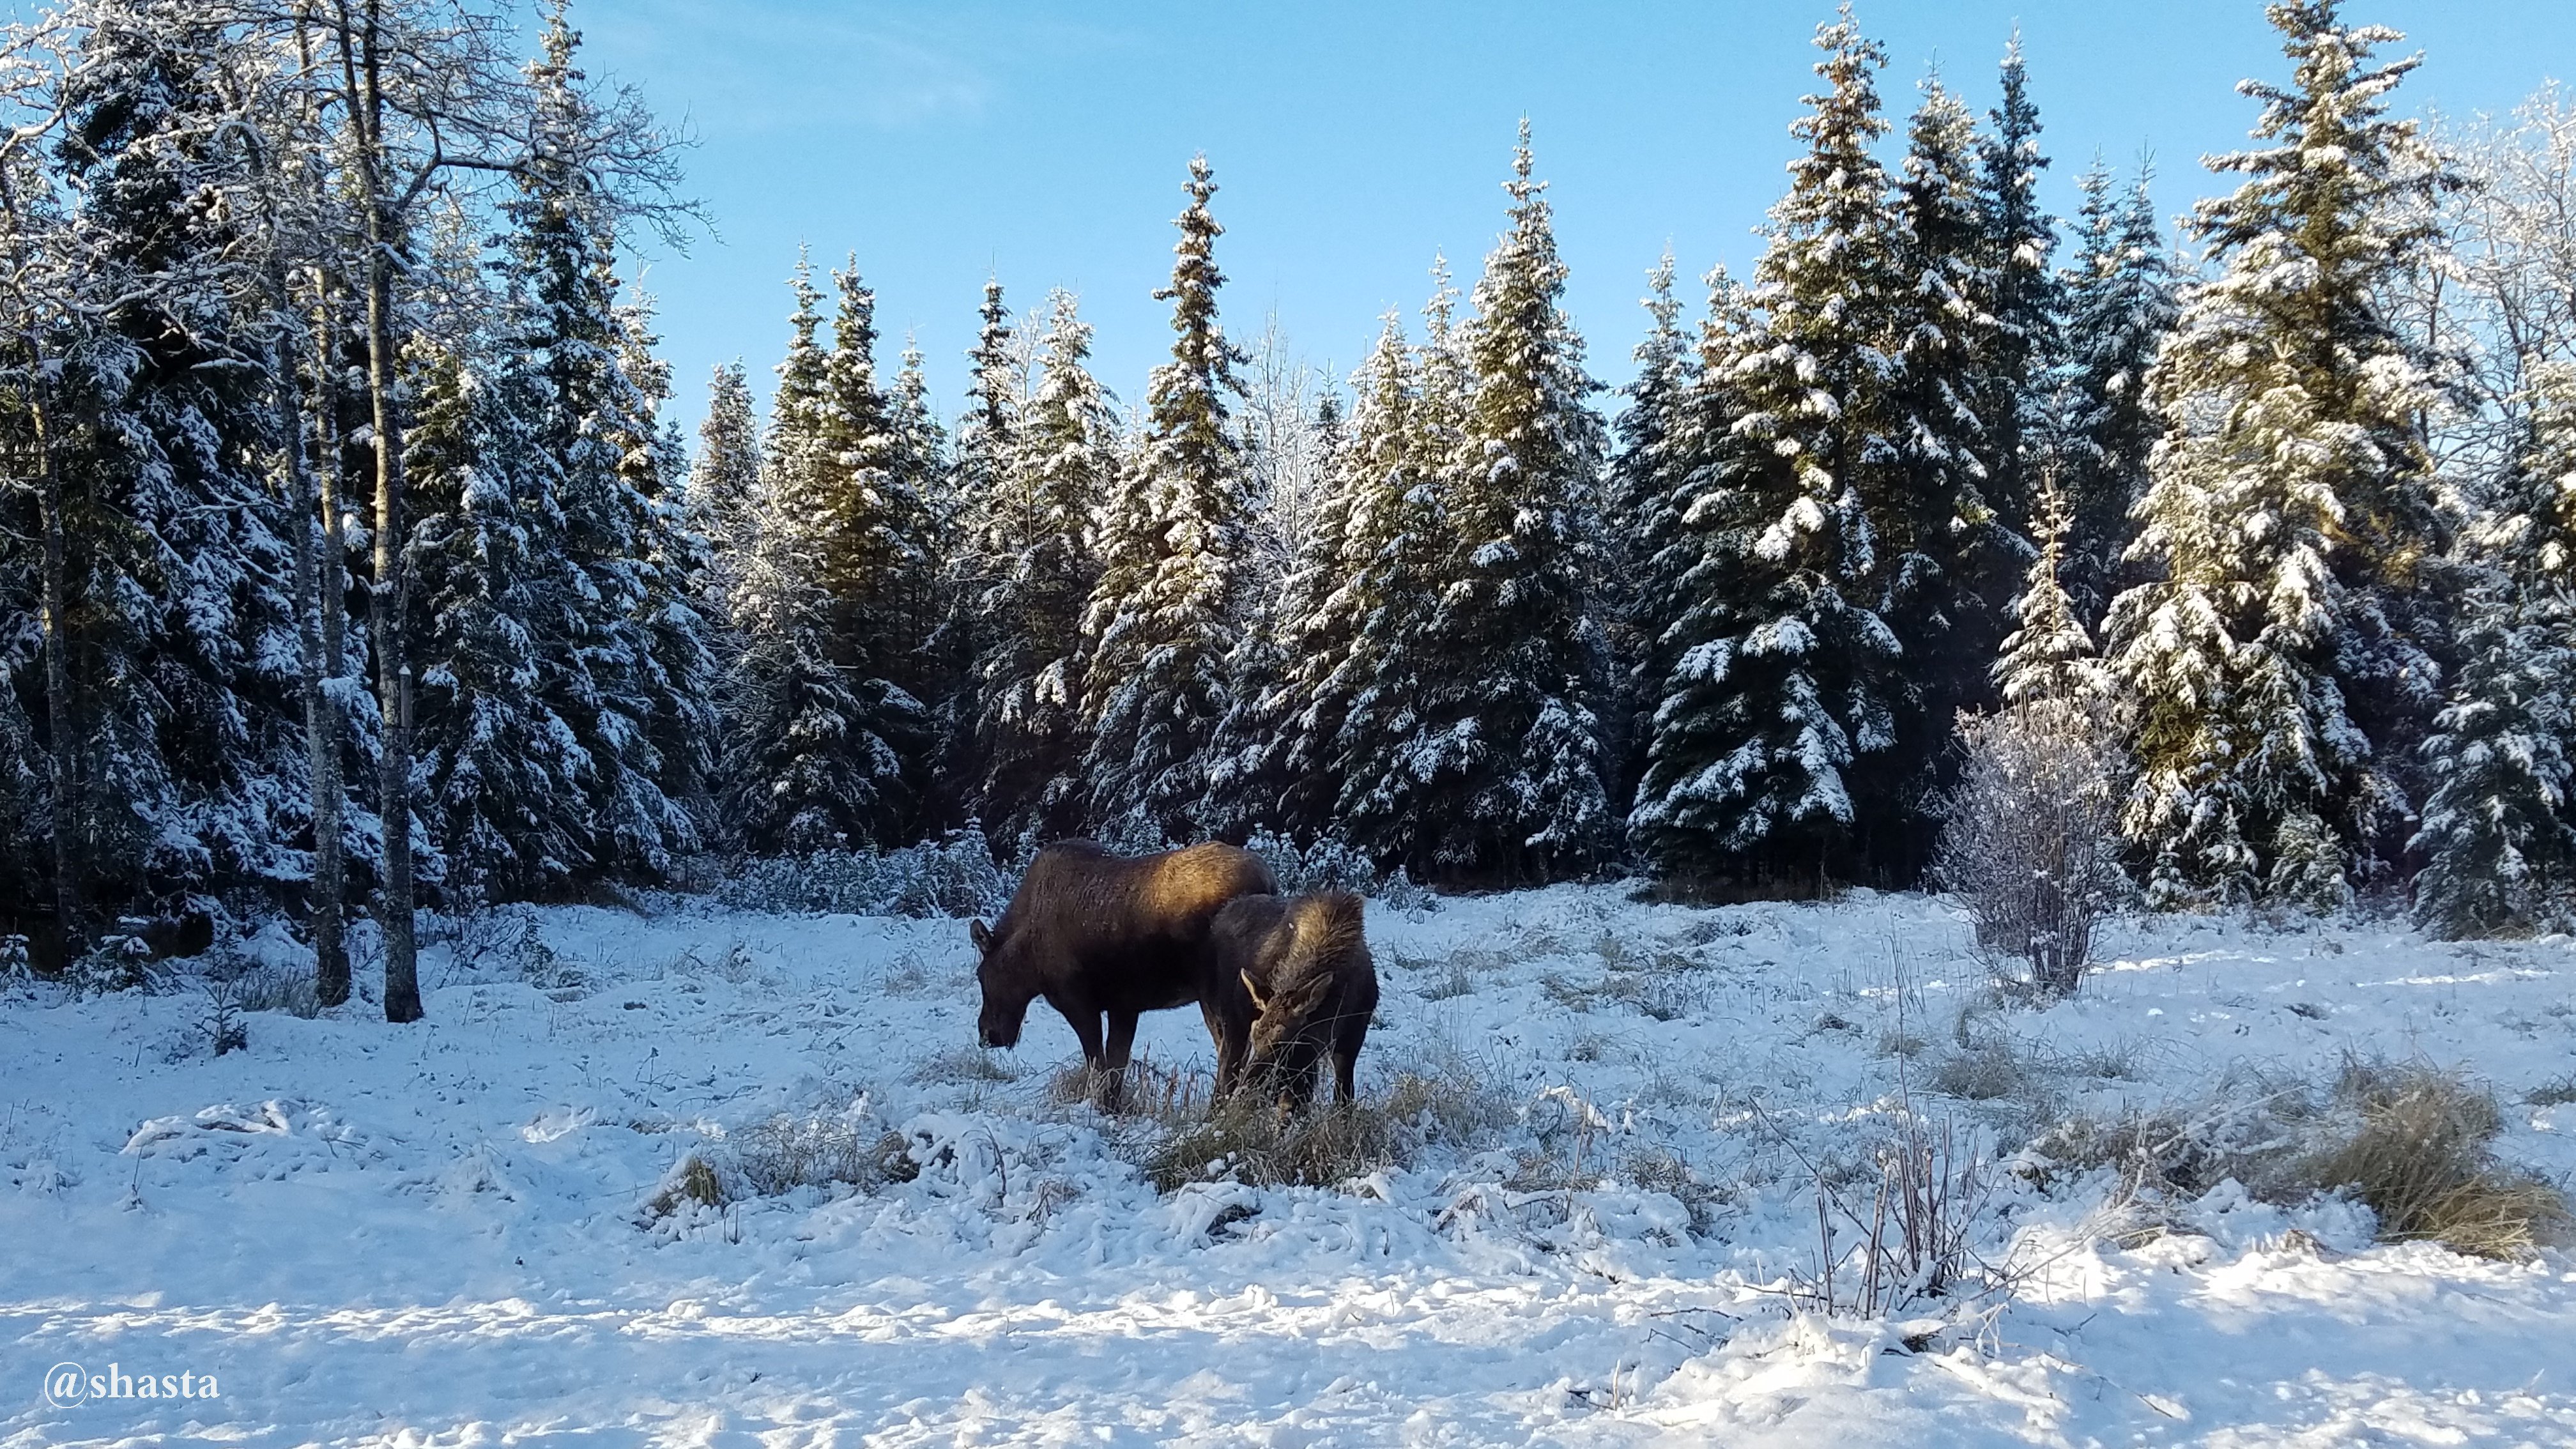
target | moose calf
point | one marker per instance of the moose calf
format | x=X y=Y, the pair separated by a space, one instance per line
x=1290 y=979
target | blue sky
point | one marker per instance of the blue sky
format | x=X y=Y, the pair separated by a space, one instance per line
x=1046 y=144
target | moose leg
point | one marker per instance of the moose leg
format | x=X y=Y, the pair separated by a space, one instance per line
x=1122 y=1042
x=1348 y=1033
x=1086 y=1028
x=1230 y=1045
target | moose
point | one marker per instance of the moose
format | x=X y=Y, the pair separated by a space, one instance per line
x=1105 y=939
x=1290 y=981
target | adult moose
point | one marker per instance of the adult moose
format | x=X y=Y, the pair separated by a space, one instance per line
x=1104 y=939
x=1290 y=982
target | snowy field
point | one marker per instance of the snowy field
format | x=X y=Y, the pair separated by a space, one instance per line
x=446 y=1234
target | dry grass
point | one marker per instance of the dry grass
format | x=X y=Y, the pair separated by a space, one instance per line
x=960 y=1065
x=1454 y=983
x=1253 y=1142
x=2558 y=1091
x=694 y=1181
x=276 y=988
x=2413 y=1142
x=2417 y=1147
x=1660 y=1169
x=1658 y=987
x=786 y=1153
x=1193 y=1140
x=1981 y=1073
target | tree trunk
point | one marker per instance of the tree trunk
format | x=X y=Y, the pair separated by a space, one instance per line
x=330 y=784
x=389 y=599
x=63 y=752
x=316 y=643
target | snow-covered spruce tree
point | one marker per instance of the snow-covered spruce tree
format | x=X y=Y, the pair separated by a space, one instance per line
x=934 y=671
x=1785 y=674
x=869 y=531
x=2499 y=828
x=1506 y=667
x=2023 y=297
x=1056 y=462
x=815 y=752
x=724 y=483
x=2051 y=656
x=1363 y=714
x=682 y=641
x=1268 y=768
x=2102 y=425
x=506 y=780
x=620 y=657
x=1947 y=564
x=1167 y=611
x=1679 y=572
x=177 y=618
x=2278 y=663
x=985 y=445
x=1642 y=509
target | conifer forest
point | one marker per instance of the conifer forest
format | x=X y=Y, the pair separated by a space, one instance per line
x=349 y=566
x=1973 y=844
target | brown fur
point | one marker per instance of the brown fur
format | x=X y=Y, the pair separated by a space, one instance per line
x=1103 y=937
x=1291 y=981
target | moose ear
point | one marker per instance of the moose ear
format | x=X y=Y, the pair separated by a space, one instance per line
x=980 y=934
x=1259 y=1001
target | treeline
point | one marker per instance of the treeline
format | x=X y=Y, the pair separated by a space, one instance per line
x=346 y=555
x=342 y=552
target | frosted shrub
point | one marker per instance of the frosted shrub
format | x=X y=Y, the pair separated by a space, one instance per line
x=1332 y=863
x=952 y=876
x=2031 y=843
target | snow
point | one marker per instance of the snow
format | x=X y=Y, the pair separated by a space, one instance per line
x=439 y=1234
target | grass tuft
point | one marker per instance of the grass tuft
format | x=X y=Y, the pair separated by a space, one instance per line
x=786 y=1153
x=694 y=1181
x=2418 y=1148
x=1247 y=1140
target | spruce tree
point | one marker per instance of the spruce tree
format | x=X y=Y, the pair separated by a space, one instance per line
x=1054 y=463
x=724 y=483
x=1416 y=453
x=2499 y=827
x=1641 y=521
x=2280 y=661
x=1513 y=779
x=1268 y=766
x=1676 y=567
x=985 y=448
x=621 y=654
x=506 y=778
x=1786 y=675
x=680 y=639
x=2051 y=657
x=2023 y=297
x=869 y=537
x=1364 y=712
x=549 y=532
x=1946 y=562
x=928 y=522
x=179 y=691
x=816 y=751
x=2102 y=425
x=1165 y=616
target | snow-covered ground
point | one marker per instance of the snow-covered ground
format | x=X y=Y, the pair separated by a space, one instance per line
x=440 y=1234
